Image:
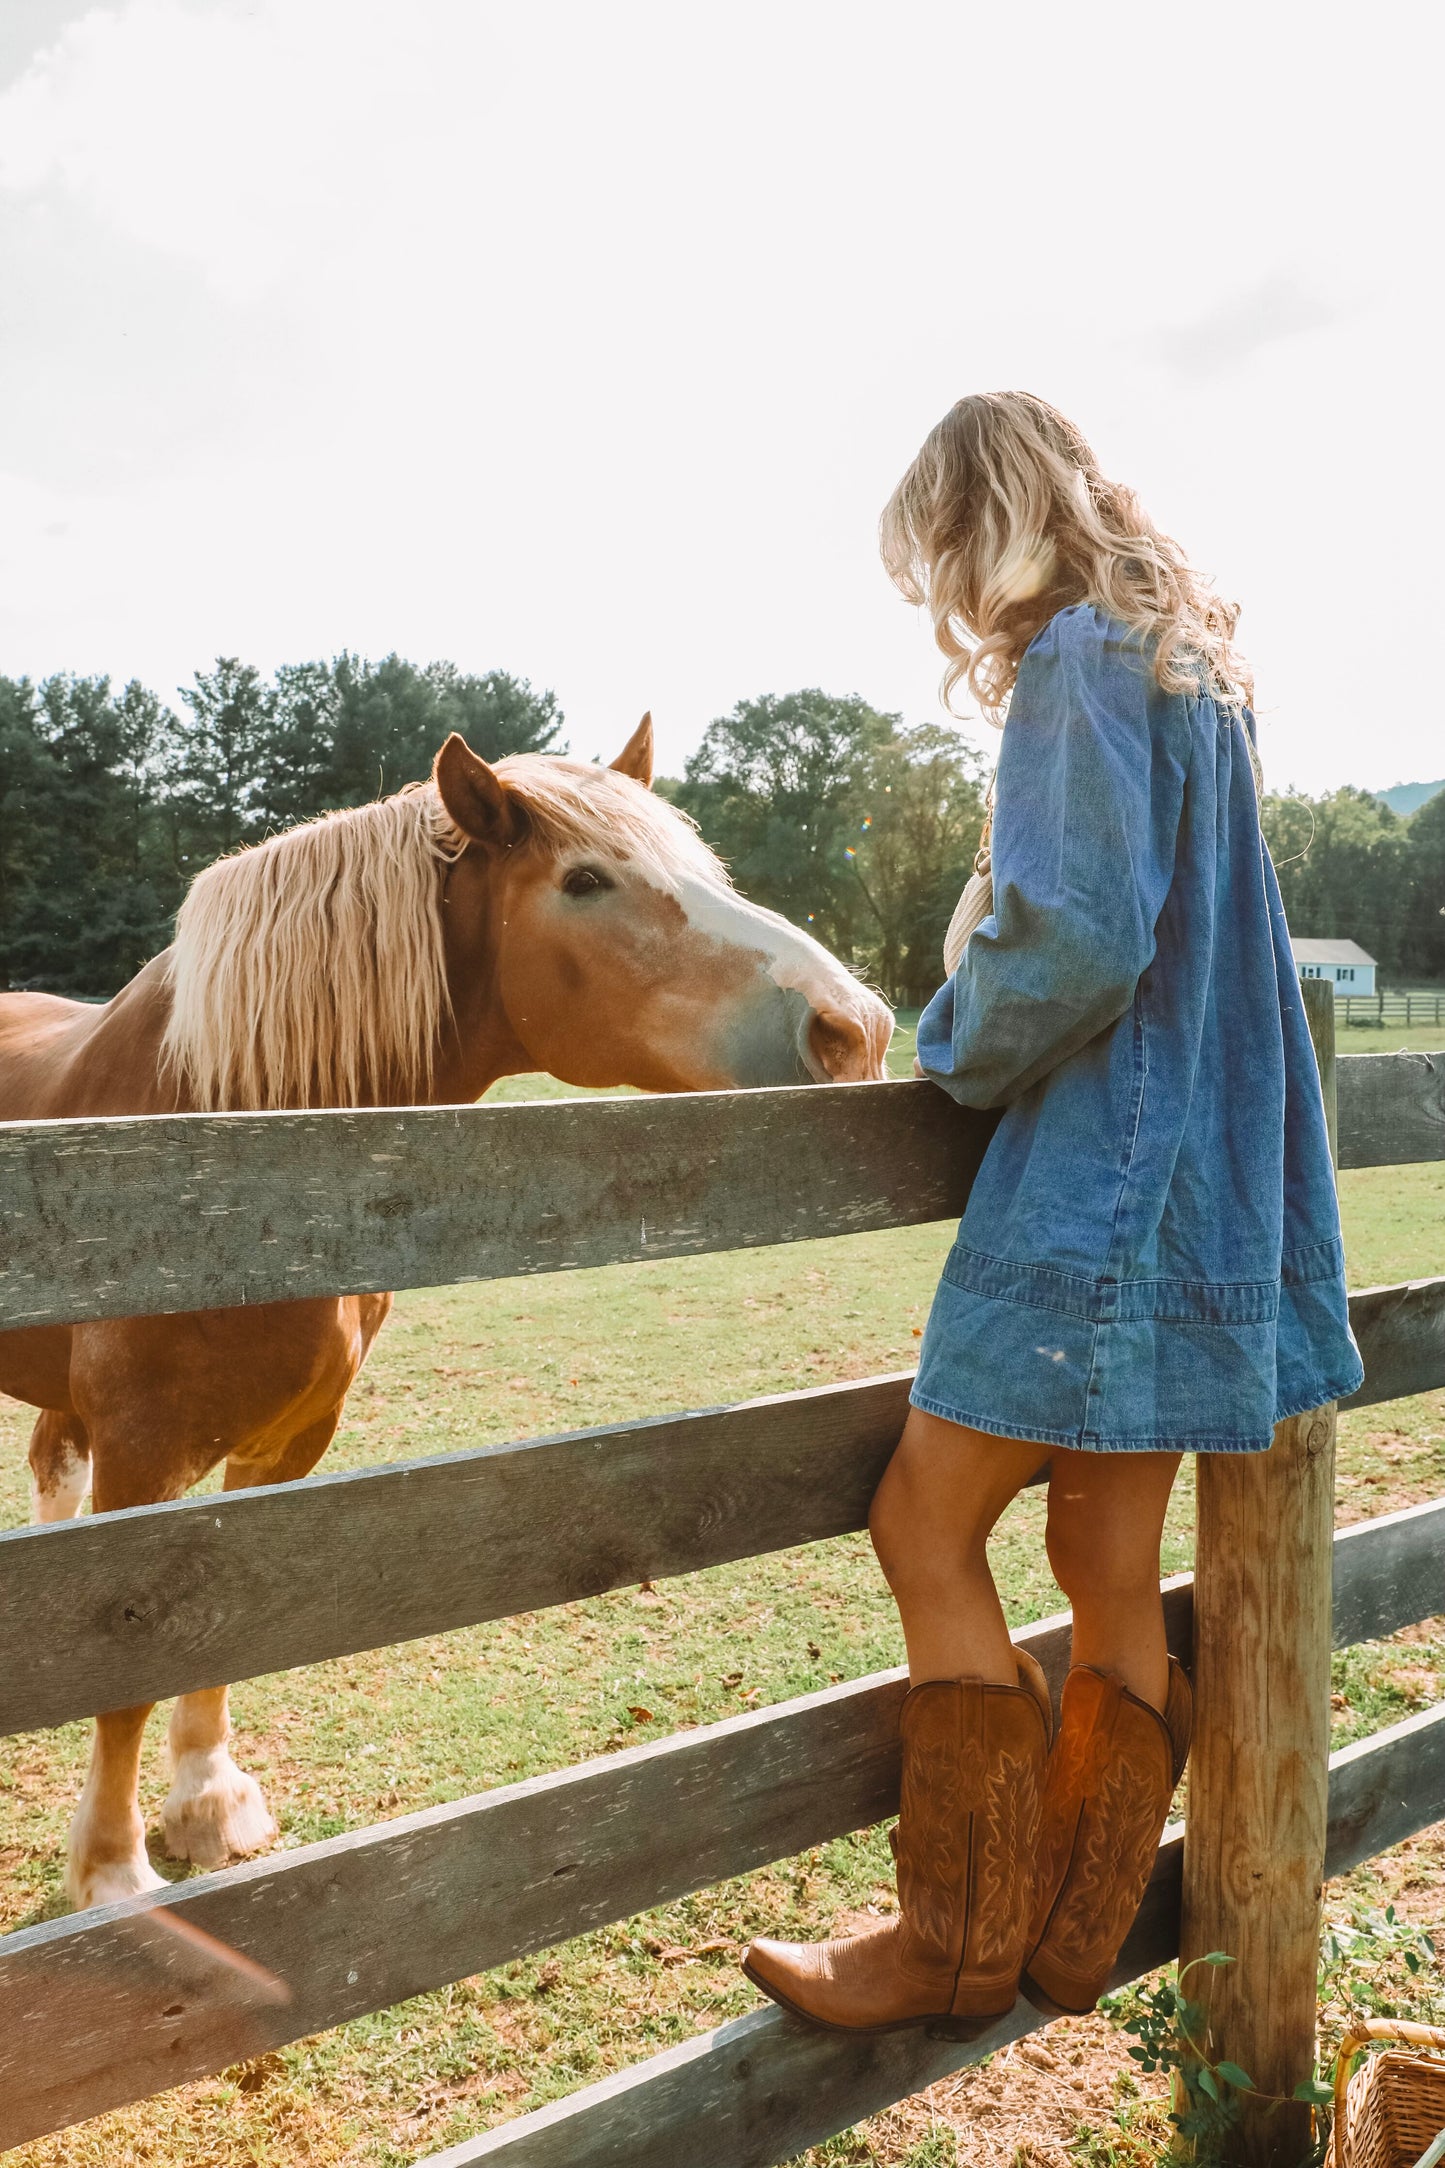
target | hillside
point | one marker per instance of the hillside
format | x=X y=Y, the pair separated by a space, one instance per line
x=1403 y=798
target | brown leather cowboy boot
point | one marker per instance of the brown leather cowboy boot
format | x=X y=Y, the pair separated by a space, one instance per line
x=973 y=1770
x=1110 y=1779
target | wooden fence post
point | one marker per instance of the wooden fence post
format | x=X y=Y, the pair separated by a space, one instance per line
x=1255 y=1839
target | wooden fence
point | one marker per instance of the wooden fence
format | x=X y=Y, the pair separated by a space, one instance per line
x=1382 y=1009
x=109 y=1218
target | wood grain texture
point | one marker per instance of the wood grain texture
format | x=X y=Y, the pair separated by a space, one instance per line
x=127 y=1217
x=757 y=2091
x=100 y=1612
x=1392 y=1109
x=1255 y=1837
x=150 y=1215
x=121 y=2002
x=1256 y=1829
x=1388 y=1572
x=1384 y=1788
x=1401 y=1332
x=124 y=2001
x=139 y=1605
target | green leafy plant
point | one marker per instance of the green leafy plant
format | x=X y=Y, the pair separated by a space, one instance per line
x=1360 y=1967
x=1378 y=1965
x=1167 y=2029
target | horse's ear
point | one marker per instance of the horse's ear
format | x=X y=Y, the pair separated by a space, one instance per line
x=479 y=802
x=635 y=759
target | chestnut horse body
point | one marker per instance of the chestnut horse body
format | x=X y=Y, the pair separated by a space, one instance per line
x=558 y=917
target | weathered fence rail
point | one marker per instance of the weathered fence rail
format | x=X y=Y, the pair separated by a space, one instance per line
x=114 y=2004
x=1382 y=1009
x=128 y=1217
x=192 y=1211
x=114 y=1218
x=758 y=2090
x=160 y=1600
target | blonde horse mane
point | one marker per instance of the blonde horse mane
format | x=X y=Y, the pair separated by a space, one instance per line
x=309 y=970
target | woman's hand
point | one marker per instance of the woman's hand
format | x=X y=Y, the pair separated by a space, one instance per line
x=918 y=1068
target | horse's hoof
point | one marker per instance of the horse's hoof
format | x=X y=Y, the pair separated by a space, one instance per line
x=107 y=1882
x=215 y=1812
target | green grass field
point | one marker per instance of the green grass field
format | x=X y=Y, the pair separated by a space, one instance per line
x=355 y=1741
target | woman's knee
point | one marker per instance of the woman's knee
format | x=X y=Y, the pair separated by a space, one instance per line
x=940 y=1496
x=894 y=1524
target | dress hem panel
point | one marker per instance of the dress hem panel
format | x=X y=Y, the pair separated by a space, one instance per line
x=1083 y=1442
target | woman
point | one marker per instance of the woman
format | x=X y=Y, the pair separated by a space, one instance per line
x=1150 y=1262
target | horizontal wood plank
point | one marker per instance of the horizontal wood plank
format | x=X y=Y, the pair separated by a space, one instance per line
x=1389 y=1572
x=127 y=1217
x=1401 y=1333
x=759 y=2090
x=102 y=1612
x=139 y=1605
x=115 y=2004
x=123 y=2001
x=105 y=1611
x=1392 y=1109
x=1384 y=1788
x=160 y=1214
x=762 y=2088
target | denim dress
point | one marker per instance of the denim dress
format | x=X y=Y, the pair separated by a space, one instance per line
x=1151 y=1255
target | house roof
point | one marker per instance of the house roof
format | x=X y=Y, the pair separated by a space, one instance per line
x=1328 y=952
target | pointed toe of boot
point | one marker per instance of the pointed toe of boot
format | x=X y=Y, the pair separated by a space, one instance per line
x=794 y=1975
x=854 y=1983
x=777 y=1968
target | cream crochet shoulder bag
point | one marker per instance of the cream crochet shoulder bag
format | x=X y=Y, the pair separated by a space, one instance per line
x=976 y=902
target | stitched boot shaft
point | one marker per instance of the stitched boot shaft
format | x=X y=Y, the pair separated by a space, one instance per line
x=1111 y=1777
x=972 y=1796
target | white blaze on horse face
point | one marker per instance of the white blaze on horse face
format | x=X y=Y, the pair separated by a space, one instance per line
x=804 y=980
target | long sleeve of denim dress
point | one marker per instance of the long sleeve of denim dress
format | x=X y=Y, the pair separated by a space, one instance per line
x=1151 y=1255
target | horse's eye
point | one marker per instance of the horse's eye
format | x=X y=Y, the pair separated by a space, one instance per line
x=584 y=881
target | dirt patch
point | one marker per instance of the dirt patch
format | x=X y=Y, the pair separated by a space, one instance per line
x=1033 y=2104
x=1025 y=2107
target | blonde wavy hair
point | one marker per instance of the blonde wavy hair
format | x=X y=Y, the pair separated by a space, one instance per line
x=1004 y=517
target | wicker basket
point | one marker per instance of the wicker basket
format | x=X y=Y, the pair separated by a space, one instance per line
x=1390 y=2111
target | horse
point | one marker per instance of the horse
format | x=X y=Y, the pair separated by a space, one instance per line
x=536 y=914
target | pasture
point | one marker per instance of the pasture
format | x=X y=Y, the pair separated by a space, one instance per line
x=352 y=1741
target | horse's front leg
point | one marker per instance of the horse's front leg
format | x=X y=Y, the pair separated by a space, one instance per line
x=214 y=1811
x=107 y=1845
x=60 y=1471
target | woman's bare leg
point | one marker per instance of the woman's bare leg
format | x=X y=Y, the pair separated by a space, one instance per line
x=930 y=1520
x=1106 y=1521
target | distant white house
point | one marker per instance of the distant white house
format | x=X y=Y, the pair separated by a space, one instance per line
x=1343 y=961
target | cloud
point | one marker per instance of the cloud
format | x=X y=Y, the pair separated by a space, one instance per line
x=255 y=141
x=1279 y=307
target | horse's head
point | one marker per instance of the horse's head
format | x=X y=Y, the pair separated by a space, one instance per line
x=594 y=917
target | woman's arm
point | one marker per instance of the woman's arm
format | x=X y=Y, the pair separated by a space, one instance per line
x=1090 y=792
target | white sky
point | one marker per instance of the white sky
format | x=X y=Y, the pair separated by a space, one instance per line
x=586 y=341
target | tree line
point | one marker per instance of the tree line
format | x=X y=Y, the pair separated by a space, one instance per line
x=853 y=821
x=110 y=802
x=842 y=816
